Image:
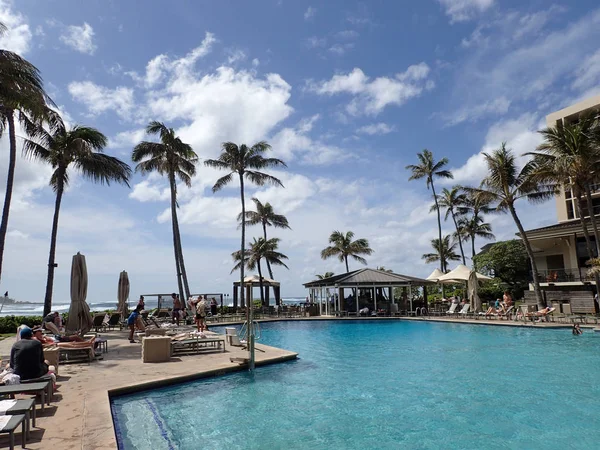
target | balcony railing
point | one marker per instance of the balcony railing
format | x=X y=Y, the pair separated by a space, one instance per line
x=563 y=275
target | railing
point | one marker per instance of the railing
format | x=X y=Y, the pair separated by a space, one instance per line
x=563 y=275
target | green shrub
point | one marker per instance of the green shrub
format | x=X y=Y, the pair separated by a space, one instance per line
x=9 y=324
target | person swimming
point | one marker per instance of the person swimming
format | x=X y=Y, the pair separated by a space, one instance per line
x=576 y=330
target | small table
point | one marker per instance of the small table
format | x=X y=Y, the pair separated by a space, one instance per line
x=25 y=407
x=29 y=388
x=10 y=428
x=102 y=344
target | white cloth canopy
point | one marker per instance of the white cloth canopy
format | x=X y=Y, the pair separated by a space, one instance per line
x=123 y=293
x=80 y=318
x=472 y=288
x=437 y=273
x=461 y=273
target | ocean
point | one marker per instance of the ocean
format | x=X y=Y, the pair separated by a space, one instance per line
x=36 y=309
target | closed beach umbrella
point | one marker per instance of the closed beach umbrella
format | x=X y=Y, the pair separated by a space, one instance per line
x=473 y=287
x=123 y=293
x=80 y=318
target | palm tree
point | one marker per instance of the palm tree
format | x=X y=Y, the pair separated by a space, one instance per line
x=81 y=148
x=453 y=201
x=22 y=93
x=444 y=253
x=177 y=160
x=429 y=169
x=505 y=184
x=260 y=249
x=383 y=269
x=570 y=157
x=344 y=247
x=245 y=163
x=325 y=275
x=471 y=227
x=265 y=216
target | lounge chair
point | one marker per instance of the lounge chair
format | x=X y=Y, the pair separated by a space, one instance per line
x=507 y=314
x=540 y=314
x=114 y=321
x=465 y=310
x=98 y=322
x=452 y=309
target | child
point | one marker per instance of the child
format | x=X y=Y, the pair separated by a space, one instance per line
x=576 y=330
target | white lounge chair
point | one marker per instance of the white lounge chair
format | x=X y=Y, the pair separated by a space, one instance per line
x=465 y=310
x=452 y=309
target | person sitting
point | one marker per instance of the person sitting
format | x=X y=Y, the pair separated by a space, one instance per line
x=27 y=357
x=491 y=311
x=576 y=330
x=52 y=322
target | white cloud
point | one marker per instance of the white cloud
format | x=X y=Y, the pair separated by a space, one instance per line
x=147 y=191
x=315 y=42
x=340 y=49
x=80 y=38
x=127 y=138
x=498 y=106
x=235 y=56
x=18 y=37
x=255 y=62
x=463 y=10
x=310 y=13
x=372 y=96
x=99 y=99
x=376 y=128
x=162 y=66
x=588 y=73
x=521 y=135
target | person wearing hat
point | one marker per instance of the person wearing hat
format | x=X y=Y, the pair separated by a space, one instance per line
x=27 y=357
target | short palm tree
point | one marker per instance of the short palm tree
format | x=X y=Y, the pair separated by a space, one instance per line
x=265 y=216
x=22 y=95
x=260 y=250
x=505 y=184
x=324 y=276
x=453 y=202
x=177 y=160
x=245 y=163
x=570 y=157
x=471 y=227
x=444 y=253
x=343 y=247
x=80 y=148
x=429 y=169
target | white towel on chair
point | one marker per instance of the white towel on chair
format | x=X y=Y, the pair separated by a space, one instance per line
x=5 y=405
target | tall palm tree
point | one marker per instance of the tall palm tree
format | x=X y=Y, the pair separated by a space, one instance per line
x=260 y=249
x=265 y=216
x=324 y=276
x=471 y=227
x=343 y=247
x=445 y=252
x=245 y=163
x=21 y=94
x=429 y=169
x=505 y=184
x=176 y=160
x=453 y=201
x=80 y=148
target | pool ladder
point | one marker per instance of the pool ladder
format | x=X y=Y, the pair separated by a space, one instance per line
x=244 y=331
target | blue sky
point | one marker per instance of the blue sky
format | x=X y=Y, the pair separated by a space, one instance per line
x=346 y=92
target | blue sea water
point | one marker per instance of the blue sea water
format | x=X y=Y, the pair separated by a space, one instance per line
x=385 y=385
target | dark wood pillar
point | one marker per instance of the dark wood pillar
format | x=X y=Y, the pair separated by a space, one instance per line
x=277 y=293
x=267 y=300
x=235 y=298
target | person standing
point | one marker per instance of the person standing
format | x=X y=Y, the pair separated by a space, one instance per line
x=141 y=303
x=176 y=308
x=213 y=306
x=201 y=314
x=132 y=321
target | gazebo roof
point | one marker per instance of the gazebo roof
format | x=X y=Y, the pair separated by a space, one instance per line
x=367 y=277
x=254 y=280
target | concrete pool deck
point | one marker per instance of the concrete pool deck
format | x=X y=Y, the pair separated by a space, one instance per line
x=80 y=416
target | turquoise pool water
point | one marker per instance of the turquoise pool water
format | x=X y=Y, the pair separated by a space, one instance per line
x=385 y=385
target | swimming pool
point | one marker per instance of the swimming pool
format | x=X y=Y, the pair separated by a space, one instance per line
x=385 y=384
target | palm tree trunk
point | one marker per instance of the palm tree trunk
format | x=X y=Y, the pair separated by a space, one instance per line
x=249 y=303
x=268 y=263
x=52 y=255
x=588 y=196
x=186 y=286
x=12 y=161
x=175 y=243
x=462 y=252
x=473 y=251
x=346 y=260
x=437 y=208
x=260 y=283
x=588 y=241
x=536 y=281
